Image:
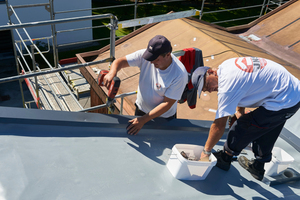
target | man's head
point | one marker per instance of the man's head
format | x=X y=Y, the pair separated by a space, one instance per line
x=159 y=45
x=205 y=79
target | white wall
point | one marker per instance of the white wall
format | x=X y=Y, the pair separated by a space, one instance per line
x=34 y=14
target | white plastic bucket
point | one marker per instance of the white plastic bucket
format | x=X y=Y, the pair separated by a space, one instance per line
x=280 y=162
x=184 y=169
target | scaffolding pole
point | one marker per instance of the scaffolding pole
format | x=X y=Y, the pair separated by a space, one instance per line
x=15 y=55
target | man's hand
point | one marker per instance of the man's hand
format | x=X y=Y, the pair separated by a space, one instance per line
x=114 y=68
x=138 y=123
x=108 y=79
x=204 y=157
x=215 y=133
x=135 y=126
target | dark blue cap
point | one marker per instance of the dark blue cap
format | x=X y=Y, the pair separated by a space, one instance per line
x=157 y=46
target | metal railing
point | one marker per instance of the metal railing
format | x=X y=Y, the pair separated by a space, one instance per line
x=113 y=26
x=18 y=44
x=264 y=8
x=122 y=96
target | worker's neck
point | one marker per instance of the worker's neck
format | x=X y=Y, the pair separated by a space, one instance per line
x=168 y=63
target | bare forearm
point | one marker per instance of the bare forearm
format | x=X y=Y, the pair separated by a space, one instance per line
x=114 y=68
x=215 y=133
x=118 y=64
x=137 y=123
x=157 y=111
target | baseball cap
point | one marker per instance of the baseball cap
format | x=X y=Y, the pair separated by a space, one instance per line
x=198 y=78
x=157 y=46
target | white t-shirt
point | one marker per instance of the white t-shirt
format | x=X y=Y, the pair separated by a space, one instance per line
x=155 y=84
x=253 y=82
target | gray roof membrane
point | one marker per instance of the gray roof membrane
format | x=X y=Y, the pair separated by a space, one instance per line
x=71 y=155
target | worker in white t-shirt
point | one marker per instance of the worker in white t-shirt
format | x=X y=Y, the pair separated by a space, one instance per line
x=254 y=83
x=162 y=81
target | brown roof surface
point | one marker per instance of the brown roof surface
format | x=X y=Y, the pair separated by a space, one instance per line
x=279 y=34
x=217 y=46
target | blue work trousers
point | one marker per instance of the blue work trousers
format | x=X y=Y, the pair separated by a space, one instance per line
x=261 y=127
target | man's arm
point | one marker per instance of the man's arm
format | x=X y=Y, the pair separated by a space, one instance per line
x=215 y=133
x=114 y=68
x=138 y=123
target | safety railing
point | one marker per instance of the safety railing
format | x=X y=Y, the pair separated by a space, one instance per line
x=122 y=96
x=128 y=23
x=21 y=43
x=113 y=26
x=265 y=6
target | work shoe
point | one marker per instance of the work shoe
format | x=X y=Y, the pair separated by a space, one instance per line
x=255 y=168
x=223 y=160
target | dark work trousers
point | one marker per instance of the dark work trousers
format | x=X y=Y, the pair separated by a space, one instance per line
x=261 y=127
x=139 y=112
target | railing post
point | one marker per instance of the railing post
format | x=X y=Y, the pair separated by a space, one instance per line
x=113 y=27
x=135 y=11
x=20 y=82
x=202 y=7
x=121 y=108
x=15 y=53
x=262 y=8
x=267 y=7
x=54 y=34
x=35 y=77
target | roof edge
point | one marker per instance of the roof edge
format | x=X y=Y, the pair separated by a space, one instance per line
x=233 y=29
x=253 y=23
x=13 y=115
x=245 y=27
x=127 y=37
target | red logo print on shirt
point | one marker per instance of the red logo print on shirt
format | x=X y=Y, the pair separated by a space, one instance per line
x=250 y=64
x=158 y=86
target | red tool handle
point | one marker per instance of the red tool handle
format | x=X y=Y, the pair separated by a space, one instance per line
x=113 y=87
x=101 y=75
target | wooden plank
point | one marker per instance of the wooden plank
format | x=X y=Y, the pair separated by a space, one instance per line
x=101 y=92
x=95 y=101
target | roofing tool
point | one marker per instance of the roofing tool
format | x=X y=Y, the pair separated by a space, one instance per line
x=112 y=88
